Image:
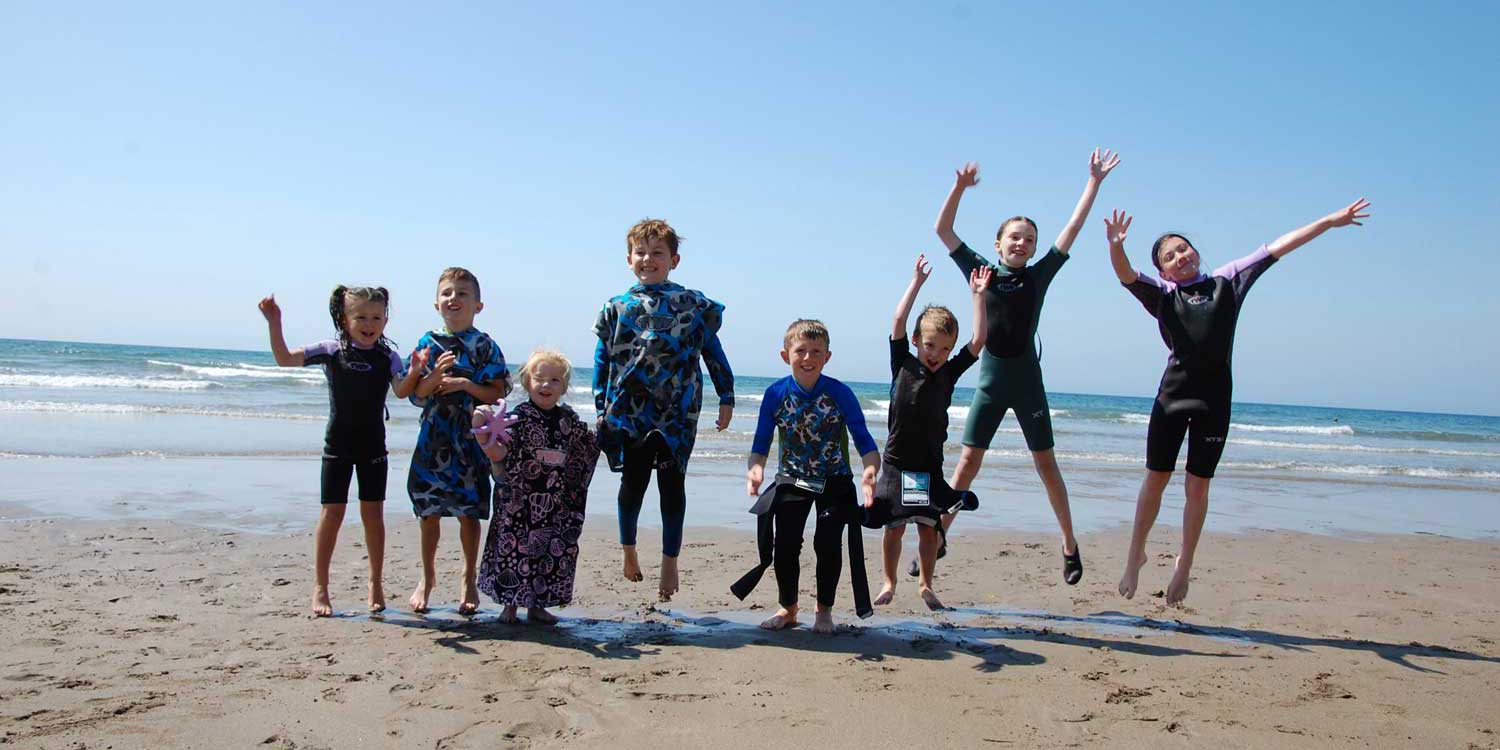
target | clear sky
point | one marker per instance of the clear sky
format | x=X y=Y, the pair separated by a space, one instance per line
x=166 y=165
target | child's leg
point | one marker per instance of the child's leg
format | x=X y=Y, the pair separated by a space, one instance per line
x=1147 y=505
x=327 y=535
x=928 y=540
x=635 y=477
x=468 y=536
x=828 y=546
x=1193 y=515
x=431 y=532
x=890 y=558
x=372 y=514
x=670 y=485
x=790 y=520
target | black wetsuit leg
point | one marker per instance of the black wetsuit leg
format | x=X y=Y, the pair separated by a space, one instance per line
x=635 y=478
x=1207 y=434
x=372 y=474
x=791 y=520
x=828 y=545
x=337 y=472
x=1164 y=438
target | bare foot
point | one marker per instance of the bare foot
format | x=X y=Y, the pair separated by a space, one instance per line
x=1132 y=575
x=669 y=582
x=1177 y=590
x=887 y=593
x=822 y=621
x=418 y=600
x=930 y=599
x=540 y=616
x=469 y=605
x=632 y=565
x=508 y=615
x=785 y=618
x=321 y=606
x=376 y=599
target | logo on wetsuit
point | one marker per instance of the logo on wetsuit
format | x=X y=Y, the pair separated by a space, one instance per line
x=649 y=322
x=1199 y=299
x=358 y=366
x=1213 y=438
x=1009 y=284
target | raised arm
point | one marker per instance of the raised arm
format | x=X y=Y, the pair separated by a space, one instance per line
x=1350 y=214
x=979 y=280
x=407 y=385
x=919 y=276
x=965 y=177
x=272 y=313
x=1100 y=165
x=1114 y=230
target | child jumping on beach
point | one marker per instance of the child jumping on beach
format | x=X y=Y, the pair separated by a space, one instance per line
x=1196 y=315
x=911 y=486
x=1010 y=371
x=450 y=475
x=813 y=417
x=361 y=364
x=648 y=388
x=542 y=469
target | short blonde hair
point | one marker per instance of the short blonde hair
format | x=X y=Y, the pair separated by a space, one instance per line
x=938 y=319
x=805 y=328
x=545 y=357
x=646 y=230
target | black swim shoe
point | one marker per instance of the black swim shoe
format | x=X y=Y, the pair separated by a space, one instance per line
x=1073 y=567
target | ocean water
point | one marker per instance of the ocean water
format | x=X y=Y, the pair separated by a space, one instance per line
x=94 y=429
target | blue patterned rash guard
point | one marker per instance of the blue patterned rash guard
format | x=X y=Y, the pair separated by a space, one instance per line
x=450 y=475
x=646 y=373
x=812 y=427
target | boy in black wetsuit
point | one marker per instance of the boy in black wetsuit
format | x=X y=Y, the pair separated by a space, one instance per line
x=911 y=487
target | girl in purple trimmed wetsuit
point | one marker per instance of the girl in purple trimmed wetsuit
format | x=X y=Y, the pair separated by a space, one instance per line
x=1196 y=315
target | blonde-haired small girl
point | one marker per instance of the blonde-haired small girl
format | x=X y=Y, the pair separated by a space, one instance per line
x=542 y=470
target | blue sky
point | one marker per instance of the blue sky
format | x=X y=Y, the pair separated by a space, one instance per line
x=165 y=165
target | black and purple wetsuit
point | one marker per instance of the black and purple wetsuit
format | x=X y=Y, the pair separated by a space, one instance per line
x=1197 y=320
x=355 y=440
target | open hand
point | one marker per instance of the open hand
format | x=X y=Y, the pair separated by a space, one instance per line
x=1115 y=227
x=444 y=363
x=419 y=360
x=922 y=270
x=270 y=309
x=968 y=175
x=1101 y=164
x=979 y=279
x=1350 y=214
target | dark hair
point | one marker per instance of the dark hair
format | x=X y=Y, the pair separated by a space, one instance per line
x=456 y=273
x=340 y=298
x=1156 y=247
x=1000 y=233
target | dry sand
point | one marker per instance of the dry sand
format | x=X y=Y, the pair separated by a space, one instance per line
x=153 y=634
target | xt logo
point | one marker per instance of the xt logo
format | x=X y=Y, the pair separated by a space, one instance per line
x=1213 y=439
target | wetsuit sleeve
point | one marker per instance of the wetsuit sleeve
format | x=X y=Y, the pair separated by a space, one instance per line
x=713 y=355
x=967 y=260
x=398 y=367
x=1043 y=270
x=898 y=355
x=854 y=417
x=1242 y=273
x=319 y=354
x=1148 y=290
x=960 y=363
x=766 y=424
x=601 y=376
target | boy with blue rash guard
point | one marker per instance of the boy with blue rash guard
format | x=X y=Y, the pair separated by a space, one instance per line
x=450 y=476
x=648 y=388
x=813 y=417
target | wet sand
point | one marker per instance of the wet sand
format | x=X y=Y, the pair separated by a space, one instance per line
x=148 y=634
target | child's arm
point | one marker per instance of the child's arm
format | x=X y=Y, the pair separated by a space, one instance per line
x=496 y=449
x=966 y=177
x=484 y=393
x=723 y=378
x=272 y=313
x=407 y=385
x=979 y=280
x=430 y=383
x=1296 y=238
x=760 y=446
x=601 y=376
x=1115 y=228
x=1099 y=167
x=869 y=452
x=867 y=479
x=755 y=473
x=919 y=276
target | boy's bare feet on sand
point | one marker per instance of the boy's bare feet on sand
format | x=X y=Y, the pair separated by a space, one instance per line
x=887 y=593
x=669 y=582
x=376 y=599
x=508 y=615
x=418 y=600
x=540 y=616
x=470 y=603
x=1132 y=575
x=632 y=565
x=822 y=620
x=321 y=606
x=785 y=618
x=1177 y=590
x=930 y=599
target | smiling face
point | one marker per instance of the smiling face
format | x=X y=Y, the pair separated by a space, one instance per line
x=365 y=322
x=547 y=383
x=651 y=260
x=807 y=356
x=1016 y=243
x=933 y=347
x=458 y=303
x=1177 y=259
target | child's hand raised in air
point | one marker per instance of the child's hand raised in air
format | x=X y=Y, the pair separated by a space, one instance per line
x=1350 y=214
x=968 y=175
x=1115 y=228
x=1101 y=164
x=922 y=270
x=419 y=360
x=979 y=279
x=270 y=309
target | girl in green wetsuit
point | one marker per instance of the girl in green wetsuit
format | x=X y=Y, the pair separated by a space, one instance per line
x=1010 y=374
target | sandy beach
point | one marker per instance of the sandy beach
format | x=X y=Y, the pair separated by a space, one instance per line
x=136 y=634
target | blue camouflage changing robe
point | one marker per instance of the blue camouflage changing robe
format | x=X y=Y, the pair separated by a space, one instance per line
x=450 y=475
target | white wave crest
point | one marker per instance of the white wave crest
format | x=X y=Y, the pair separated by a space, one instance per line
x=1295 y=429
x=245 y=370
x=104 y=381
x=1358 y=448
x=69 y=407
